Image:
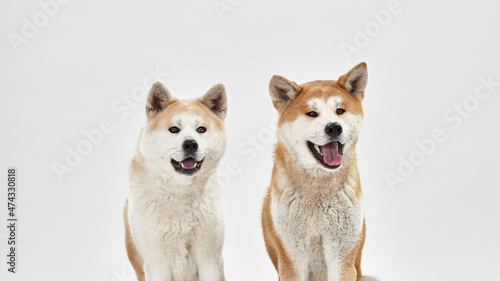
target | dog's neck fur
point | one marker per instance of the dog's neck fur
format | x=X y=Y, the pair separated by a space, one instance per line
x=317 y=180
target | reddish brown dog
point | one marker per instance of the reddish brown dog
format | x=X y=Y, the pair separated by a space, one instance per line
x=313 y=218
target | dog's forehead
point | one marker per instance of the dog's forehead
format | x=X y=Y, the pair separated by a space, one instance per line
x=188 y=119
x=324 y=103
x=187 y=113
x=330 y=95
x=322 y=89
x=320 y=95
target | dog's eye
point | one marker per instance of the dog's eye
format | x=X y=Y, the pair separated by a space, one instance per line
x=174 y=130
x=201 y=130
x=340 y=111
x=312 y=114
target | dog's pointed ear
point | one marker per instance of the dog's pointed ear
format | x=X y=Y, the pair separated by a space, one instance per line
x=158 y=98
x=355 y=81
x=282 y=92
x=216 y=100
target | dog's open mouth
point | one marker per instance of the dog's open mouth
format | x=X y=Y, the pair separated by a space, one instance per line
x=188 y=166
x=329 y=155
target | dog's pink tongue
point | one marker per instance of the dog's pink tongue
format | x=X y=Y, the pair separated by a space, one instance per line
x=331 y=154
x=188 y=163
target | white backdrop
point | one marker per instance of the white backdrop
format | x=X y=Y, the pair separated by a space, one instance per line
x=431 y=205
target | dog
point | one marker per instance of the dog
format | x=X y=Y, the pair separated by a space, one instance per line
x=173 y=222
x=312 y=216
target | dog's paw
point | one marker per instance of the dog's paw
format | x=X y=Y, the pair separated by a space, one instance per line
x=368 y=278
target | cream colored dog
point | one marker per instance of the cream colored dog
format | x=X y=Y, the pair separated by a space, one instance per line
x=173 y=221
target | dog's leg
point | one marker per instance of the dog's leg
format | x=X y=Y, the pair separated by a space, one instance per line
x=210 y=264
x=157 y=267
x=211 y=269
x=349 y=273
x=287 y=270
x=207 y=248
x=351 y=268
x=286 y=273
x=294 y=269
x=183 y=267
x=292 y=266
x=157 y=271
x=291 y=269
x=331 y=253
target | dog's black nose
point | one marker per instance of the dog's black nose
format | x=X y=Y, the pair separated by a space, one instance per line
x=190 y=146
x=333 y=129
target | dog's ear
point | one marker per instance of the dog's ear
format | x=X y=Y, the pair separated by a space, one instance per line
x=215 y=99
x=158 y=98
x=282 y=92
x=355 y=81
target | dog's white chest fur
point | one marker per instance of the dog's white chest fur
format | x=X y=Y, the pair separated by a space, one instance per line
x=177 y=233
x=318 y=231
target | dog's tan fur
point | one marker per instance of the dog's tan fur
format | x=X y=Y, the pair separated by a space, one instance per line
x=316 y=187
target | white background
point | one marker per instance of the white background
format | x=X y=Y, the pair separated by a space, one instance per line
x=441 y=223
